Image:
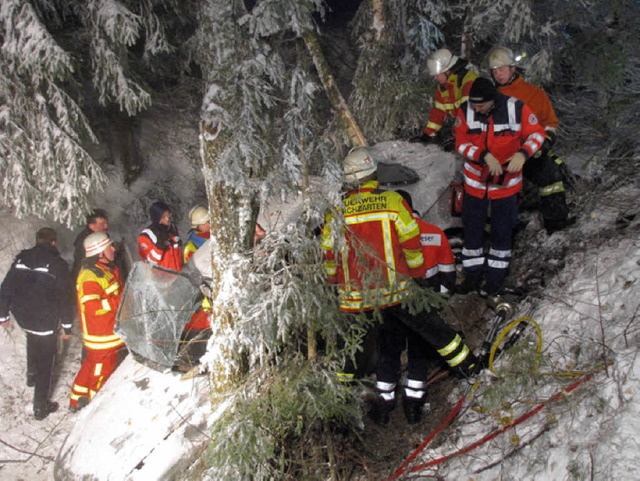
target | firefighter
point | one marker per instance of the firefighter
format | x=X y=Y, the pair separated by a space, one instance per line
x=496 y=135
x=439 y=262
x=160 y=242
x=199 y=233
x=99 y=291
x=454 y=77
x=548 y=171
x=37 y=290
x=371 y=248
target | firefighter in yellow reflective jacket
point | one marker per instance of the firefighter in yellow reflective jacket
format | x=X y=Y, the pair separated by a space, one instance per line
x=372 y=251
x=99 y=291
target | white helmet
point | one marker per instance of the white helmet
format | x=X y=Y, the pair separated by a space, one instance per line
x=500 y=57
x=95 y=243
x=440 y=61
x=358 y=164
x=198 y=215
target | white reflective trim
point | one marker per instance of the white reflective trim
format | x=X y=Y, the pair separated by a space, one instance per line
x=474 y=183
x=415 y=384
x=155 y=255
x=497 y=264
x=414 y=394
x=472 y=168
x=431 y=272
x=388 y=396
x=151 y=235
x=385 y=386
x=472 y=252
x=39 y=333
x=500 y=253
x=446 y=268
x=474 y=261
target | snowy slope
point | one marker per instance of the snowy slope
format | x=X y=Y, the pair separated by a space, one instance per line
x=587 y=311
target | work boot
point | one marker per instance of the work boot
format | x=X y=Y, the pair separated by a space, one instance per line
x=42 y=412
x=82 y=402
x=412 y=410
x=468 y=368
x=470 y=284
x=556 y=225
x=381 y=412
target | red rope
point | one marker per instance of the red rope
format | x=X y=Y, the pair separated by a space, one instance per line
x=398 y=472
x=401 y=469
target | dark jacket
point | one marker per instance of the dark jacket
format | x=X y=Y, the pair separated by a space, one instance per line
x=78 y=252
x=38 y=290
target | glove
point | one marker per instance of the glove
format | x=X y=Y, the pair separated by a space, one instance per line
x=425 y=139
x=449 y=145
x=421 y=281
x=549 y=140
x=516 y=162
x=494 y=166
x=163 y=240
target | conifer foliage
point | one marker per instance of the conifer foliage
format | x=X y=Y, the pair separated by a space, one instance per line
x=47 y=48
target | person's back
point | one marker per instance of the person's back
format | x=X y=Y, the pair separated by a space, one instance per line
x=383 y=248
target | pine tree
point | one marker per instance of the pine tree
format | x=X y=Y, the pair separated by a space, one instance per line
x=48 y=49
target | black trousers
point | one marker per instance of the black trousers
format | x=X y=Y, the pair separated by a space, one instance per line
x=547 y=173
x=41 y=358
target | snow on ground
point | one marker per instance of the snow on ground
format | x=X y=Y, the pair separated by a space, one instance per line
x=588 y=319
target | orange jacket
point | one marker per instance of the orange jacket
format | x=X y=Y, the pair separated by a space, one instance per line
x=535 y=98
x=169 y=256
x=99 y=291
x=511 y=127
x=372 y=249
x=450 y=96
x=439 y=264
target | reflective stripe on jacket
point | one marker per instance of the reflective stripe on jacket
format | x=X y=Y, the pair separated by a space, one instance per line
x=170 y=257
x=99 y=292
x=439 y=262
x=535 y=98
x=372 y=248
x=510 y=127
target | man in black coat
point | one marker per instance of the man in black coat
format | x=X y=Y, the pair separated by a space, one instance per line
x=38 y=291
x=97 y=221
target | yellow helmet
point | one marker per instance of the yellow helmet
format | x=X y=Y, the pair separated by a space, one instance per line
x=440 y=61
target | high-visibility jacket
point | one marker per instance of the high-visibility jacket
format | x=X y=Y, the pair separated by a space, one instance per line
x=99 y=291
x=535 y=98
x=371 y=248
x=450 y=96
x=150 y=250
x=510 y=127
x=439 y=263
x=195 y=239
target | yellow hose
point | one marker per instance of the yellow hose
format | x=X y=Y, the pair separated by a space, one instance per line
x=507 y=330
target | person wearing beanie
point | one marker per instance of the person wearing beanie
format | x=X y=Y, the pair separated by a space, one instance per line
x=37 y=290
x=160 y=243
x=495 y=135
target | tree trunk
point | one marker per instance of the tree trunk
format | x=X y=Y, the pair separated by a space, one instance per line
x=356 y=137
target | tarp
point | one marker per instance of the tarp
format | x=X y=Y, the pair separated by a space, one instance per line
x=155 y=307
